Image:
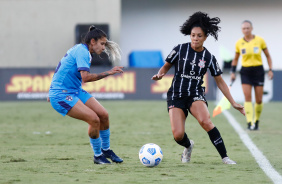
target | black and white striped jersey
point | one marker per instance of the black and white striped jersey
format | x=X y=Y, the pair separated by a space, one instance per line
x=190 y=68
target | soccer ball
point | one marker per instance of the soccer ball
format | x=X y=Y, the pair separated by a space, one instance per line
x=150 y=155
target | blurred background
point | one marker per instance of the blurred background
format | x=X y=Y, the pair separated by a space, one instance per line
x=35 y=35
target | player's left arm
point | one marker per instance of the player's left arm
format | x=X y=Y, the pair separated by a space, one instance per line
x=89 y=77
x=225 y=90
x=269 y=61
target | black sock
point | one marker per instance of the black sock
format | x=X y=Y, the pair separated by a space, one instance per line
x=217 y=141
x=185 y=141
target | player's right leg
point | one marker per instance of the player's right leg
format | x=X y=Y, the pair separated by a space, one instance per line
x=247 y=90
x=177 y=121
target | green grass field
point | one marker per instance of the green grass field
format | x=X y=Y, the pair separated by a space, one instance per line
x=38 y=145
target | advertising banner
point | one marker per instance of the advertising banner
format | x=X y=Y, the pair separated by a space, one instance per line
x=134 y=84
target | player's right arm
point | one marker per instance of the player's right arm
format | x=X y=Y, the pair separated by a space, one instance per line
x=163 y=70
x=90 y=77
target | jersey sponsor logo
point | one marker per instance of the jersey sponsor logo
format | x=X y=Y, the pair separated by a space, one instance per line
x=192 y=72
x=191 y=77
x=171 y=53
x=256 y=50
x=243 y=51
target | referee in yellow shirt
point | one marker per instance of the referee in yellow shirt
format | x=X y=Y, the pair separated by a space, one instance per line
x=252 y=71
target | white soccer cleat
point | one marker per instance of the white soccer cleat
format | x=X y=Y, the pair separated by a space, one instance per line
x=186 y=155
x=227 y=160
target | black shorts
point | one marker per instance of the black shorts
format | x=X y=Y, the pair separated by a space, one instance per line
x=184 y=103
x=252 y=75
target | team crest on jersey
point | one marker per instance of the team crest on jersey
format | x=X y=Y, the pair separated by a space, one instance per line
x=68 y=98
x=202 y=63
x=171 y=53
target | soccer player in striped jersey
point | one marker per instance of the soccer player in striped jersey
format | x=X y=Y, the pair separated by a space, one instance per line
x=252 y=71
x=68 y=98
x=191 y=61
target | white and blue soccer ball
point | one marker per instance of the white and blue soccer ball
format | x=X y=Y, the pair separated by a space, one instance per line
x=150 y=155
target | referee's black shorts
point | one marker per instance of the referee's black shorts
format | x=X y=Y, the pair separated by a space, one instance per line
x=252 y=75
x=185 y=102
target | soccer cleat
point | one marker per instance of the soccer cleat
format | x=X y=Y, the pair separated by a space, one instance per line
x=101 y=160
x=227 y=160
x=111 y=155
x=249 y=126
x=256 y=125
x=186 y=155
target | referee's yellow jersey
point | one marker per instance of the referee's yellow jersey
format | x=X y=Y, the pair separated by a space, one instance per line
x=251 y=51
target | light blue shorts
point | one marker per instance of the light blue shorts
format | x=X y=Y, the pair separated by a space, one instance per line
x=63 y=100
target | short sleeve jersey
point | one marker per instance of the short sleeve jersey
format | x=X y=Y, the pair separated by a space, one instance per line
x=67 y=74
x=190 y=68
x=251 y=51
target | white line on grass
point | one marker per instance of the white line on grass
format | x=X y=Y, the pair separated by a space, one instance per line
x=257 y=154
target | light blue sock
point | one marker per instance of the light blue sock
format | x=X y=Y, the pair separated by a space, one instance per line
x=96 y=146
x=105 y=137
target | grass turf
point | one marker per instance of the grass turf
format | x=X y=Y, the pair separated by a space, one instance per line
x=38 y=145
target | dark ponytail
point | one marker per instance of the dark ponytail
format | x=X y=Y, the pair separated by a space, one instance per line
x=202 y=20
x=93 y=33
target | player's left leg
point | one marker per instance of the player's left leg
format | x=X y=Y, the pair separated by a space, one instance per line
x=102 y=113
x=200 y=111
x=258 y=105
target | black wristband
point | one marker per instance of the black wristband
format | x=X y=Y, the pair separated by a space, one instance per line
x=269 y=69
x=233 y=69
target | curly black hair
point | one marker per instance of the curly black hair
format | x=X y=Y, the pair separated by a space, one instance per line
x=202 y=20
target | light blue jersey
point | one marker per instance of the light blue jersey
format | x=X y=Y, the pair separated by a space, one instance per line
x=67 y=74
x=65 y=89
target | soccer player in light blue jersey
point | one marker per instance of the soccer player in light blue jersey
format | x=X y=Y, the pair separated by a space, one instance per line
x=68 y=98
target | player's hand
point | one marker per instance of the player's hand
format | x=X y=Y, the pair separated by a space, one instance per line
x=158 y=76
x=116 y=69
x=233 y=77
x=270 y=75
x=239 y=108
x=48 y=99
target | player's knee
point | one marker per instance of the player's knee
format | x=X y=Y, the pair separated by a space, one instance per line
x=177 y=135
x=259 y=101
x=94 y=121
x=104 y=117
x=206 y=124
